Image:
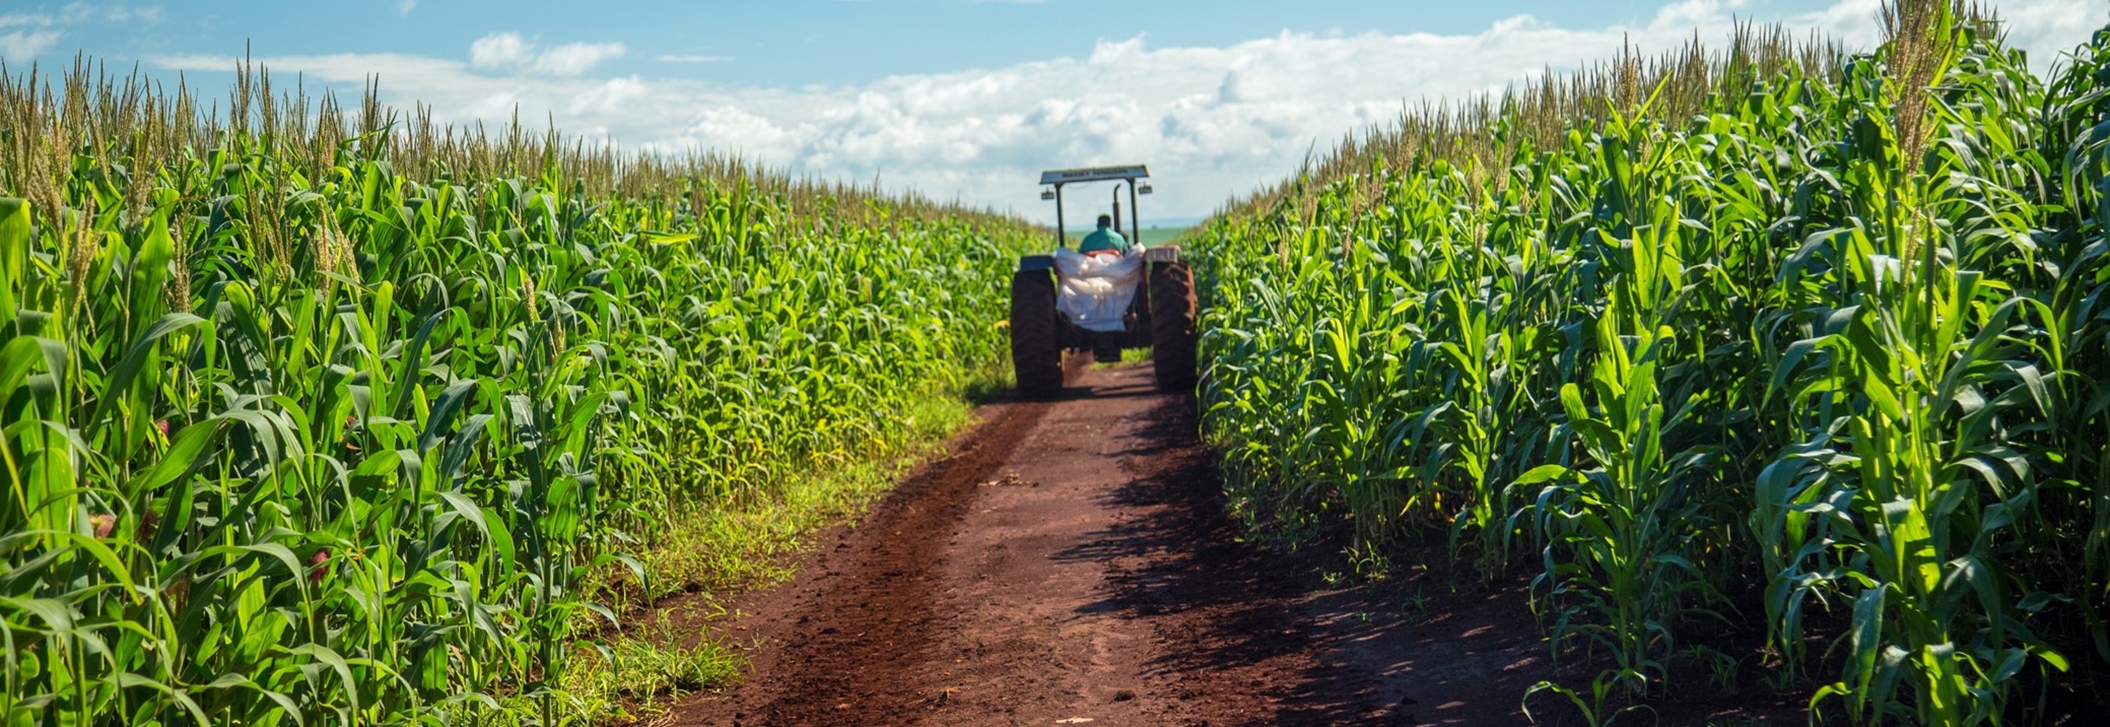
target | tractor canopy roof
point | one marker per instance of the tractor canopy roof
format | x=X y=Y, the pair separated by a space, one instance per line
x=1094 y=174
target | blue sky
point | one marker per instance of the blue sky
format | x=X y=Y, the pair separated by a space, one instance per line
x=790 y=42
x=955 y=98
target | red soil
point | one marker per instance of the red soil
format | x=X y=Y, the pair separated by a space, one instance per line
x=1071 y=564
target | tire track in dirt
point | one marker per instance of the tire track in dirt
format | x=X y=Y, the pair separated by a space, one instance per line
x=866 y=607
x=1071 y=564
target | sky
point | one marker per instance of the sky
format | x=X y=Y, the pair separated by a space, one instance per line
x=954 y=99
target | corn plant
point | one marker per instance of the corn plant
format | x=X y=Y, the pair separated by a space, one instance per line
x=1778 y=330
x=318 y=419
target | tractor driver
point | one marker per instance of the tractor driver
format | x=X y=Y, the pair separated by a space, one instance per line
x=1104 y=239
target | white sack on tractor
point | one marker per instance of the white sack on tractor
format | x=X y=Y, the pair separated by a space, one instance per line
x=1095 y=291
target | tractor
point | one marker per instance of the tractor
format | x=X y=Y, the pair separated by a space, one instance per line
x=1066 y=302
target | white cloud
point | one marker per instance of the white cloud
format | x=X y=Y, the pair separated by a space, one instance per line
x=114 y=13
x=39 y=31
x=403 y=7
x=609 y=98
x=498 y=50
x=509 y=51
x=2052 y=27
x=23 y=44
x=1212 y=122
x=572 y=59
x=78 y=12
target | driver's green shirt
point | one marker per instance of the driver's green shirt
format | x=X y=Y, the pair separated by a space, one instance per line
x=1103 y=239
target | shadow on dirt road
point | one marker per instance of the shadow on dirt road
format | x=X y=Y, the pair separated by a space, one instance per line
x=1071 y=563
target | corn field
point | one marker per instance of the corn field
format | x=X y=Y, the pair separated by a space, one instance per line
x=318 y=415
x=1769 y=334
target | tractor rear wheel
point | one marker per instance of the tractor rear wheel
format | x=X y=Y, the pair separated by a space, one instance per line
x=1138 y=318
x=1172 y=332
x=1036 y=355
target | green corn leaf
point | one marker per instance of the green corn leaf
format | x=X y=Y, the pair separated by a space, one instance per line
x=136 y=356
x=1541 y=473
x=14 y=257
x=450 y=403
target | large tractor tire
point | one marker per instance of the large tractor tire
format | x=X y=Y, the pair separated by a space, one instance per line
x=1138 y=318
x=1036 y=354
x=1172 y=332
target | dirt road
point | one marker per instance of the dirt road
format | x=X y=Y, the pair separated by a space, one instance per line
x=1070 y=564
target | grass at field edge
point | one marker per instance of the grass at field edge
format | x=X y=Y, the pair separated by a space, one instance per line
x=720 y=552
